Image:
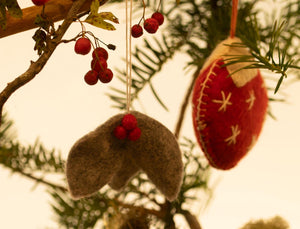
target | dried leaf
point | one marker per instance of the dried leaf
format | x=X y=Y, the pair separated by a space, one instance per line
x=98 y=20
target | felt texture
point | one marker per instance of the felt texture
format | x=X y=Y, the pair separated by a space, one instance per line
x=99 y=158
x=227 y=117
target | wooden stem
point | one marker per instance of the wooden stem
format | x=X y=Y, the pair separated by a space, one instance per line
x=185 y=104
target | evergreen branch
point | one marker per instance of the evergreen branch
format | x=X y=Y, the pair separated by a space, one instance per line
x=274 y=59
x=147 y=64
x=40 y=180
x=83 y=213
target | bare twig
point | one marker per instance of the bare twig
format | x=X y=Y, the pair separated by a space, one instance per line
x=41 y=180
x=191 y=220
x=185 y=104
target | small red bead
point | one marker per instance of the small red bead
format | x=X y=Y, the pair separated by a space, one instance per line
x=106 y=76
x=129 y=122
x=151 y=25
x=100 y=52
x=136 y=31
x=120 y=132
x=134 y=134
x=158 y=17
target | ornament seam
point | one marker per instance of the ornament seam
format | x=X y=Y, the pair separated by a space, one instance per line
x=199 y=115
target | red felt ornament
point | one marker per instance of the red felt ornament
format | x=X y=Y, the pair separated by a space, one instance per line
x=229 y=106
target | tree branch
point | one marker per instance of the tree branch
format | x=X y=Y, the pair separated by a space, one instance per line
x=185 y=104
x=41 y=180
x=191 y=220
x=36 y=67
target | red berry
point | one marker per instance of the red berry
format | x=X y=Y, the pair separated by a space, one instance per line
x=100 y=52
x=39 y=2
x=136 y=31
x=151 y=25
x=134 y=134
x=99 y=65
x=158 y=17
x=106 y=75
x=129 y=122
x=91 y=77
x=82 y=46
x=120 y=132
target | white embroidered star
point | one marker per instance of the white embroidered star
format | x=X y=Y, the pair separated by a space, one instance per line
x=251 y=99
x=235 y=132
x=225 y=101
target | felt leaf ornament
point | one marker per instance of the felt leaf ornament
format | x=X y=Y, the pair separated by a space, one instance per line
x=100 y=158
x=229 y=106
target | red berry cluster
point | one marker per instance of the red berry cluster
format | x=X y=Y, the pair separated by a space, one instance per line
x=150 y=25
x=128 y=128
x=39 y=2
x=99 y=70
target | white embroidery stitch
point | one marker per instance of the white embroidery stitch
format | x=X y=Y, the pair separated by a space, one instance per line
x=251 y=99
x=235 y=132
x=225 y=101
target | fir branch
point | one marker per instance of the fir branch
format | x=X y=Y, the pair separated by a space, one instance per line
x=146 y=65
x=27 y=161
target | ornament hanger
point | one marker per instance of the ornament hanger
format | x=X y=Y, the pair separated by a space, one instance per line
x=234 y=13
x=128 y=54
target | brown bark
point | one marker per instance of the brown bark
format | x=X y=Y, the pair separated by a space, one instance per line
x=191 y=220
x=56 y=10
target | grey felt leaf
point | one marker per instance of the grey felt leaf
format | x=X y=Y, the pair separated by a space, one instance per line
x=158 y=154
x=125 y=173
x=100 y=158
x=91 y=162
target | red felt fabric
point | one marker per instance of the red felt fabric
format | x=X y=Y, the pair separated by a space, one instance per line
x=227 y=120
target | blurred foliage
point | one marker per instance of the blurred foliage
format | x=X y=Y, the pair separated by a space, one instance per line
x=276 y=222
x=196 y=27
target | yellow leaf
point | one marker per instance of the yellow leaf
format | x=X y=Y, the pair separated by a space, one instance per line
x=99 y=22
x=94 y=7
x=109 y=16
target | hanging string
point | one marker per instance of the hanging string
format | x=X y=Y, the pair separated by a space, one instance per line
x=128 y=55
x=234 y=13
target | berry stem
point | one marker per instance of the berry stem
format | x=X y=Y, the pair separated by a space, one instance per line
x=159 y=5
x=144 y=10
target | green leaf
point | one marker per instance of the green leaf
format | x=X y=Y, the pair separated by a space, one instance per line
x=13 y=8
x=278 y=84
x=157 y=97
x=99 y=20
